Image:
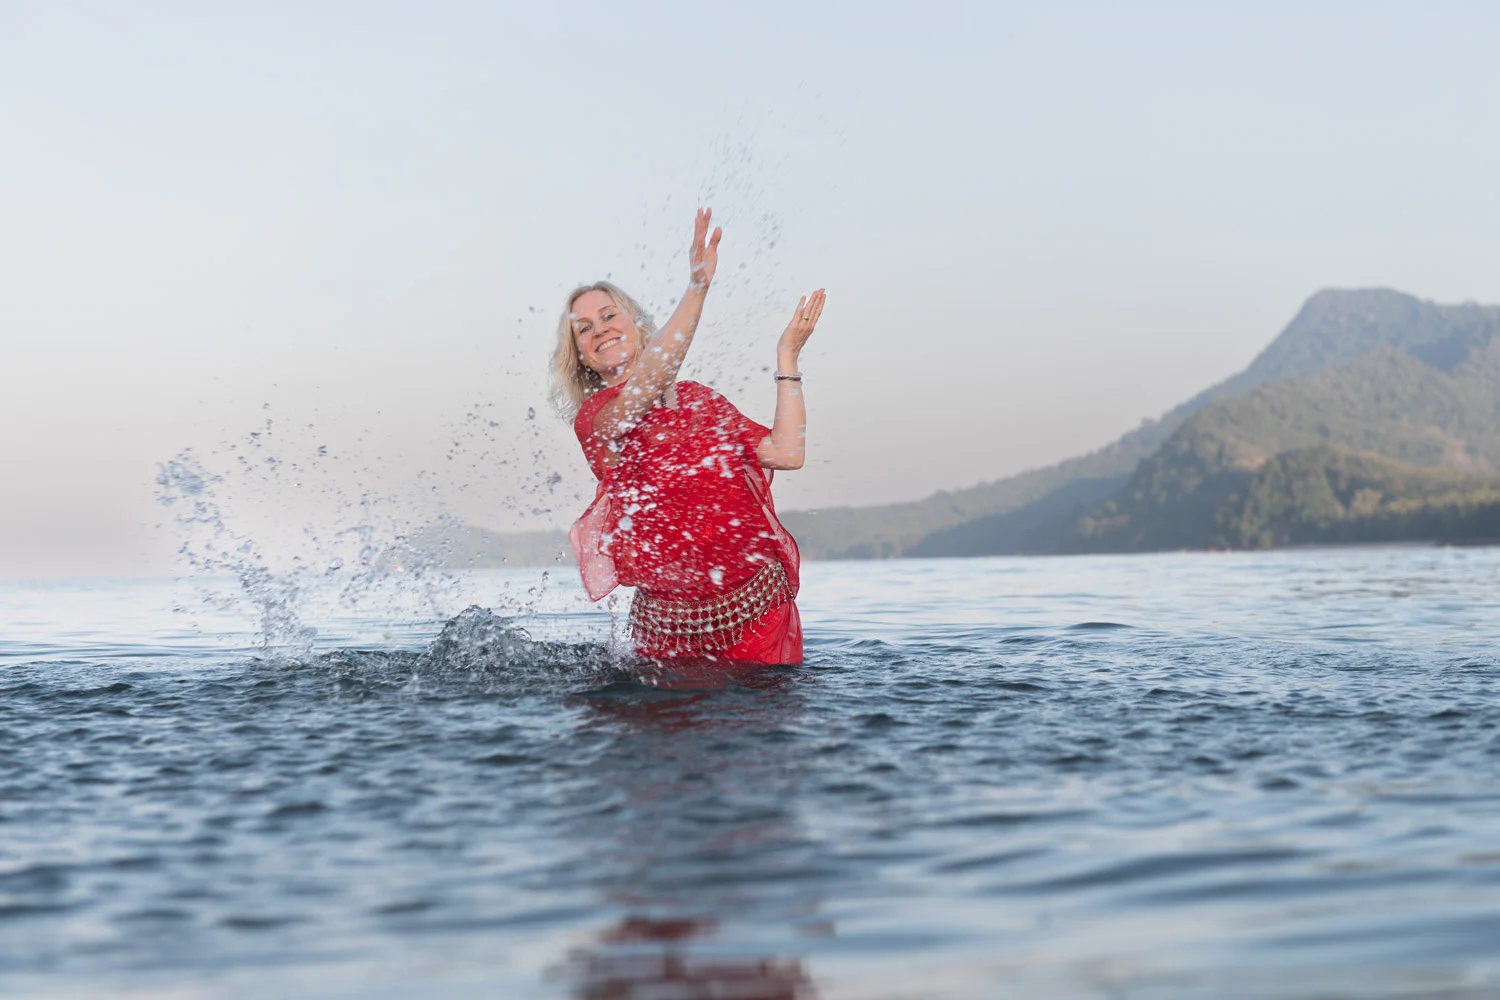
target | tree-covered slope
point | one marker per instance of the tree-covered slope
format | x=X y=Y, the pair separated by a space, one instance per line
x=1383 y=441
x=1319 y=494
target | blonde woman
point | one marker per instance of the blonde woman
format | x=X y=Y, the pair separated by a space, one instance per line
x=683 y=510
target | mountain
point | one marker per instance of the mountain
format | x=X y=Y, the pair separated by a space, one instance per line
x=1358 y=450
x=1034 y=511
x=1015 y=514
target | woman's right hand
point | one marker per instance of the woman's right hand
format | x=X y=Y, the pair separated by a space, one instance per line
x=797 y=332
x=703 y=258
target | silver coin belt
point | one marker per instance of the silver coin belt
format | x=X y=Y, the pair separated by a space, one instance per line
x=715 y=623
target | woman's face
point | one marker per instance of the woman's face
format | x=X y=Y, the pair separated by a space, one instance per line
x=607 y=338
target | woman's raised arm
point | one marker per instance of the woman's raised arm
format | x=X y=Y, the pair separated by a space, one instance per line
x=655 y=370
x=786 y=447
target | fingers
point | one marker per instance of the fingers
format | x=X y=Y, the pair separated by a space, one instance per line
x=809 y=308
x=815 y=307
x=713 y=241
x=701 y=228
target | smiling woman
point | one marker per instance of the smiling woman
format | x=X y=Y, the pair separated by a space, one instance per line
x=683 y=510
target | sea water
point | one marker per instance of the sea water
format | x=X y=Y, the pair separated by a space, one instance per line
x=1225 y=775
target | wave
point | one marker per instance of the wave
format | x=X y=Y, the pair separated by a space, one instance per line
x=497 y=653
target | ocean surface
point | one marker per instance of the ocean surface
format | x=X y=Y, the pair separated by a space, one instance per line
x=1188 y=775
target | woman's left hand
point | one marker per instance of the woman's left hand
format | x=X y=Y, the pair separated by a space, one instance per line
x=703 y=256
x=809 y=308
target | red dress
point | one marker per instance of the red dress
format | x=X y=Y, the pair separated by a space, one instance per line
x=685 y=516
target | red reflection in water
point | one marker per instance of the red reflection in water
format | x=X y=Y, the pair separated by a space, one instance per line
x=646 y=959
x=679 y=694
x=708 y=674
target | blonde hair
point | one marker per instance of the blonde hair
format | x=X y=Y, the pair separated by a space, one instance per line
x=572 y=380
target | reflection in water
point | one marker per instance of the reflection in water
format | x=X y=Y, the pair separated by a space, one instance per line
x=645 y=959
x=700 y=842
x=708 y=674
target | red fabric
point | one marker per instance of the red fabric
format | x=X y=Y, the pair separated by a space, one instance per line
x=686 y=511
x=776 y=638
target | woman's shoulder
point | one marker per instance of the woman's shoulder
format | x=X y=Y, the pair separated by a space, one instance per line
x=583 y=422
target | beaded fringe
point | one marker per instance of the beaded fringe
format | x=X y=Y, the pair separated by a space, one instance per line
x=719 y=623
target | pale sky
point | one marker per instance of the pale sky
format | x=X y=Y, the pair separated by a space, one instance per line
x=1038 y=224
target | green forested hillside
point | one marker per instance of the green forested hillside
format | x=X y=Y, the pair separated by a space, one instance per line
x=1326 y=494
x=1319 y=494
x=1385 y=401
x=1383 y=441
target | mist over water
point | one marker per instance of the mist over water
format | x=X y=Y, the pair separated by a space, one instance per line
x=1253 y=775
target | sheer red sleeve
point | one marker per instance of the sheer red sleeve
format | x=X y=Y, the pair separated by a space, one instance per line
x=589 y=535
x=594 y=446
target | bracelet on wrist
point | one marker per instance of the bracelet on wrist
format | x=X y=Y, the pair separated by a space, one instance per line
x=788 y=377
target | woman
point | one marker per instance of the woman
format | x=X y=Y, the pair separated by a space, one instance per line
x=683 y=512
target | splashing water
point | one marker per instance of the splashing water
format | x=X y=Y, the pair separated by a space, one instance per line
x=184 y=485
x=367 y=560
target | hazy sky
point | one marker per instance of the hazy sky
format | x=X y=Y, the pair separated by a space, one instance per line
x=1037 y=224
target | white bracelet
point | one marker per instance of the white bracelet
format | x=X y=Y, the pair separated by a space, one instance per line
x=790 y=377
